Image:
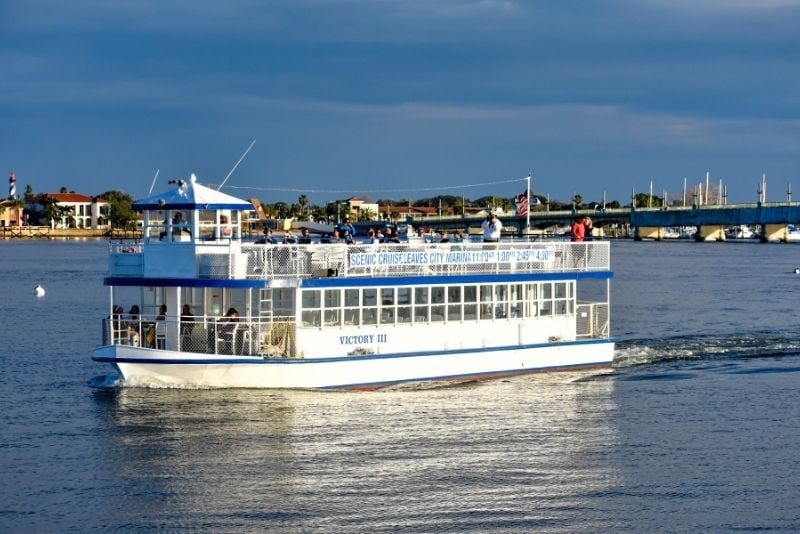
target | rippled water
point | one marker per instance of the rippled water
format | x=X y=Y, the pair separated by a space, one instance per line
x=695 y=429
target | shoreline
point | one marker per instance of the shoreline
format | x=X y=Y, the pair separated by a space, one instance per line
x=8 y=233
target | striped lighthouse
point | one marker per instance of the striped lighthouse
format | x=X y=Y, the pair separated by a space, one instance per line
x=12 y=186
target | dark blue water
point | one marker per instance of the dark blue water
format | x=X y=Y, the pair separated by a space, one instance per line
x=696 y=428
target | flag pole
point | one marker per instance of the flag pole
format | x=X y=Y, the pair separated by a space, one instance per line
x=528 y=213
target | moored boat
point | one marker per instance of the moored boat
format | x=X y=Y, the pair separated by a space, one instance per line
x=219 y=312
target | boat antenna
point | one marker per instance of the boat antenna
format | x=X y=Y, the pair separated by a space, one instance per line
x=237 y=164
x=153 y=184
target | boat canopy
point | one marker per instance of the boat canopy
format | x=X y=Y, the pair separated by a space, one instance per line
x=190 y=195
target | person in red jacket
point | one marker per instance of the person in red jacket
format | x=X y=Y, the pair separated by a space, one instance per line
x=578 y=230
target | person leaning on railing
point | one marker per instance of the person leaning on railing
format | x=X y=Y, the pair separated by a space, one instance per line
x=492 y=228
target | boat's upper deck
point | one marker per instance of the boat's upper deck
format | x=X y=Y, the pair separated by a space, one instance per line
x=235 y=260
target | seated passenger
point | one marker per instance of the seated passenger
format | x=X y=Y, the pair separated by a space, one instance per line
x=267 y=238
x=305 y=237
x=371 y=239
x=332 y=238
x=389 y=236
x=187 y=320
x=227 y=329
x=288 y=238
x=225 y=229
x=179 y=226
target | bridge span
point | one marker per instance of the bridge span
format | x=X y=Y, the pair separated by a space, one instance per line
x=711 y=221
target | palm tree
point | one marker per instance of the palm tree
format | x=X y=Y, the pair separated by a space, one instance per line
x=303 y=201
x=366 y=214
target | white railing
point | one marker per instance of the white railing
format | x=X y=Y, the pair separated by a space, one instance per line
x=318 y=261
x=256 y=261
x=206 y=335
x=592 y=320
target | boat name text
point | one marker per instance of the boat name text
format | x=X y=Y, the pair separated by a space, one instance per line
x=365 y=338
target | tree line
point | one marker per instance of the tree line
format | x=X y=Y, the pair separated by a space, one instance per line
x=122 y=215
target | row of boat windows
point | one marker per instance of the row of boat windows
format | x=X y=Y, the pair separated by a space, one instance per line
x=371 y=306
x=430 y=304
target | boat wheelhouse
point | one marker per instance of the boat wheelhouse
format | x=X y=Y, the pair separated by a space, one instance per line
x=213 y=310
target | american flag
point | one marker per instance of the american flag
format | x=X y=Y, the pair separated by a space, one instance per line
x=522 y=204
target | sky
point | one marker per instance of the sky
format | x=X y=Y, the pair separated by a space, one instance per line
x=402 y=99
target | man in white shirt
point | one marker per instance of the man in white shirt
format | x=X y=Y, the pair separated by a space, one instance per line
x=491 y=228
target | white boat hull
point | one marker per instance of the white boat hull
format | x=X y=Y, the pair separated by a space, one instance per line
x=152 y=367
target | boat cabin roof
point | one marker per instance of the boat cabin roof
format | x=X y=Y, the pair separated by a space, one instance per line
x=190 y=195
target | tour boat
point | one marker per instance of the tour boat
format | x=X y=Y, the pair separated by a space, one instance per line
x=213 y=310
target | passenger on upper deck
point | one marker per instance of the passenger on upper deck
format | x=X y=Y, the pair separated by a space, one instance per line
x=389 y=236
x=288 y=238
x=370 y=237
x=491 y=228
x=444 y=238
x=305 y=237
x=587 y=223
x=335 y=237
x=267 y=238
x=578 y=229
x=346 y=231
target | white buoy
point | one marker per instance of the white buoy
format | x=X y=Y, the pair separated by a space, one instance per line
x=38 y=290
x=797 y=270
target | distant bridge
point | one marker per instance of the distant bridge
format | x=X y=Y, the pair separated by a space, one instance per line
x=648 y=223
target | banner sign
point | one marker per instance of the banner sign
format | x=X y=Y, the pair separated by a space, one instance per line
x=454 y=257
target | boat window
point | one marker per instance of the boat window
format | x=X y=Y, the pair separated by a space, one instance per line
x=352 y=306
x=421 y=305
x=369 y=314
x=387 y=296
x=486 y=302
x=560 y=290
x=312 y=302
x=454 y=303
x=156 y=224
x=470 y=303
x=206 y=221
x=560 y=298
x=437 y=303
x=516 y=300
x=421 y=295
x=333 y=304
x=437 y=295
x=546 y=299
x=387 y=305
x=283 y=302
x=311 y=299
x=310 y=317
x=403 y=304
x=501 y=301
